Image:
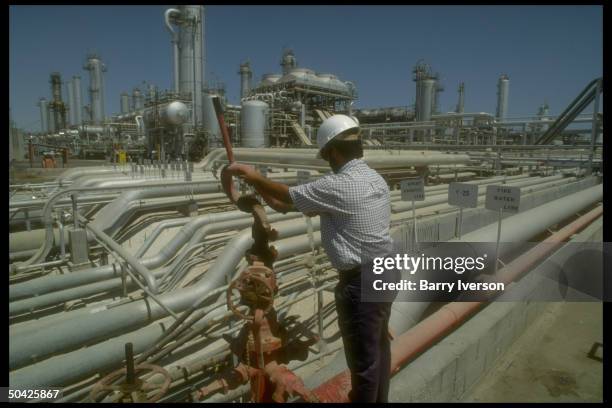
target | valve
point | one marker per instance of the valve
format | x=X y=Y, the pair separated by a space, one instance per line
x=131 y=389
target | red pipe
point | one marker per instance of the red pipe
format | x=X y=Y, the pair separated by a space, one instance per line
x=420 y=337
x=226 y=138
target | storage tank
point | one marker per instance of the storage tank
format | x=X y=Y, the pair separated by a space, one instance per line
x=502 y=96
x=125 y=102
x=253 y=123
x=44 y=115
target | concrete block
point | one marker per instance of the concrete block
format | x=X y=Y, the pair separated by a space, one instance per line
x=407 y=386
x=465 y=367
x=476 y=370
x=488 y=350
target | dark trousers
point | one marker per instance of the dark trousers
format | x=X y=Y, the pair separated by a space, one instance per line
x=364 y=330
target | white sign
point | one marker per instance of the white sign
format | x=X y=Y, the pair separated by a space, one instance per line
x=503 y=197
x=413 y=190
x=463 y=195
x=303 y=176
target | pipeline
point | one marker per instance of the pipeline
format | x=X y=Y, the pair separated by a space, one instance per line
x=430 y=330
x=111 y=317
x=518 y=228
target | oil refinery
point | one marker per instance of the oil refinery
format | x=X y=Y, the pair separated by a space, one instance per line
x=137 y=275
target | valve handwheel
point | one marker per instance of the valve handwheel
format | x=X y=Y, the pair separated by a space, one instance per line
x=255 y=289
x=132 y=389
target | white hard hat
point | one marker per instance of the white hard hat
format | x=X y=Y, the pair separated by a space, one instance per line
x=332 y=127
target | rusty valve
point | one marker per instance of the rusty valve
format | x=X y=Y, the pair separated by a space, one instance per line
x=257 y=287
x=132 y=389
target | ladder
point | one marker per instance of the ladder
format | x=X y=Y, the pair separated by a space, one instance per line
x=300 y=133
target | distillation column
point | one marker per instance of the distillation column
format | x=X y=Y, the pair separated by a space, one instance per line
x=96 y=88
x=78 y=105
x=71 y=107
x=125 y=103
x=57 y=105
x=245 y=79
x=44 y=115
x=502 y=97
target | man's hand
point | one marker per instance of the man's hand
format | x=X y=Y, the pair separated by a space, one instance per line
x=244 y=171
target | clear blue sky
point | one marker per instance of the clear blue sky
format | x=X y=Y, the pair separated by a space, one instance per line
x=549 y=52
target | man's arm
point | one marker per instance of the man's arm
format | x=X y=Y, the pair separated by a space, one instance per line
x=277 y=205
x=275 y=194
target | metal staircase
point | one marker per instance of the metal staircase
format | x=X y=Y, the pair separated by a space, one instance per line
x=588 y=95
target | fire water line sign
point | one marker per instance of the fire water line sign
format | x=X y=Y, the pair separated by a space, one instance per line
x=502 y=198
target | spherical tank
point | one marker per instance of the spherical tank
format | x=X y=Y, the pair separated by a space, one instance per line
x=253 y=122
x=176 y=113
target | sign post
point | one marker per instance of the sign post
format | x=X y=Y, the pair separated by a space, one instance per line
x=413 y=190
x=303 y=176
x=502 y=198
x=462 y=195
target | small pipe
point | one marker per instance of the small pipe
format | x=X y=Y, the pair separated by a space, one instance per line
x=129 y=258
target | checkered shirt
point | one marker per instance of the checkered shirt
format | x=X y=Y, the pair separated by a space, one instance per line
x=355 y=210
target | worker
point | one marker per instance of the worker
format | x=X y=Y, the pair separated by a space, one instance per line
x=354 y=208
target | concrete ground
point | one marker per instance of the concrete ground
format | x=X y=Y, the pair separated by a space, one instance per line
x=549 y=362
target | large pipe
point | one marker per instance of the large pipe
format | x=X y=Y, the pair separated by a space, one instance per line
x=427 y=332
x=86 y=361
x=73 y=332
x=195 y=230
x=187 y=188
x=517 y=228
x=375 y=158
x=103 y=279
x=231 y=252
